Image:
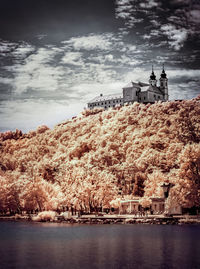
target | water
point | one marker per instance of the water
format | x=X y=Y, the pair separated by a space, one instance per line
x=47 y=246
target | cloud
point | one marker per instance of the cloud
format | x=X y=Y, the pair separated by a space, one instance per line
x=120 y=9
x=155 y=23
x=73 y=58
x=5 y=80
x=133 y=12
x=36 y=72
x=17 y=50
x=194 y=15
x=126 y=10
x=112 y=61
x=90 y=90
x=41 y=36
x=56 y=69
x=175 y=36
x=99 y=73
x=28 y=114
x=91 y=42
x=187 y=74
x=76 y=70
x=186 y=13
x=149 y=4
x=123 y=2
x=22 y=50
x=175 y=20
x=6 y=47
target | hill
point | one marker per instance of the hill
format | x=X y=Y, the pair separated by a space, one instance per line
x=100 y=156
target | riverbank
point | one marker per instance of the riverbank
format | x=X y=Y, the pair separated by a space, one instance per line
x=111 y=219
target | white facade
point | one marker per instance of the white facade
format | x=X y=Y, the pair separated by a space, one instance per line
x=106 y=101
x=135 y=92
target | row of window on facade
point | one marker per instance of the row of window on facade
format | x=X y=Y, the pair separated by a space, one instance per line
x=107 y=103
x=158 y=97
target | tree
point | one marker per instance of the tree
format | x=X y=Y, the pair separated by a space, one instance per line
x=188 y=189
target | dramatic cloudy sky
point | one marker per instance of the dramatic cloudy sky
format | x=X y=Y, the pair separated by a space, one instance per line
x=57 y=55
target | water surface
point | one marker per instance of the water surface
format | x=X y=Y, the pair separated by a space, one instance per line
x=25 y=245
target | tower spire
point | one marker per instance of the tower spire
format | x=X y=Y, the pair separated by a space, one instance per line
x=164 y=83
x=152 y=79
x=163 y=74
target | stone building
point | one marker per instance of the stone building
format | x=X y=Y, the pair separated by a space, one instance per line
x=133 y=206
x=135 y=92
x=106 y=101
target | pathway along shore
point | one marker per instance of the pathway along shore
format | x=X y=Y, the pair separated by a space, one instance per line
x=113 y=219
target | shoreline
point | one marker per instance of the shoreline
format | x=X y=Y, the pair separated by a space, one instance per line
x=112 y=219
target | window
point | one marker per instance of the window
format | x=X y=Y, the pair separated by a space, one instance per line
x=154 y=96
x=105 y=107
x=105 y=103
x=158 y=96
x=109 y=102
x=102 y=104
x=117 y=101
x=113 y=101
x=144 y=98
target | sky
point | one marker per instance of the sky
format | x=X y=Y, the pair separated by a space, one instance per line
x=55 y=56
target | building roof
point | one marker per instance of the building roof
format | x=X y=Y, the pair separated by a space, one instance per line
x=102 y=97
x=136 y=199
x=145 y=88
x=142 y=84
x=157 y=199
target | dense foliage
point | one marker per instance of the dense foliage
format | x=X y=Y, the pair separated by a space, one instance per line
x=93 y=160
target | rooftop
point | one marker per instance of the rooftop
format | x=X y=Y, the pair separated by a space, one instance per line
x=102 y=97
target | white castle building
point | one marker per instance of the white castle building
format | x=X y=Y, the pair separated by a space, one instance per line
x=135 y=92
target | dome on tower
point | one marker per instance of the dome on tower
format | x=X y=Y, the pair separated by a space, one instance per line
x=153 y=76
x=163 y=74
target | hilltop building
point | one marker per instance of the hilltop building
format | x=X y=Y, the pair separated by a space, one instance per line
x=135 y=92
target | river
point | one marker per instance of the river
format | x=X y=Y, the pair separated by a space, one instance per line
x=27 y=245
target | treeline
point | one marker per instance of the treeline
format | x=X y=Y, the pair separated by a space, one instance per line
x=91 y=161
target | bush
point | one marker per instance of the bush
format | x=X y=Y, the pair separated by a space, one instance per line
x=45 y=216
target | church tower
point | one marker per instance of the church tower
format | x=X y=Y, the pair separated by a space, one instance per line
x=152 y=79
x=164 y=84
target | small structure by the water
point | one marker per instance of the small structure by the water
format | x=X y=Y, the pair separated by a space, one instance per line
x=133 y=206
x=130 y=206
x=157 y=206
